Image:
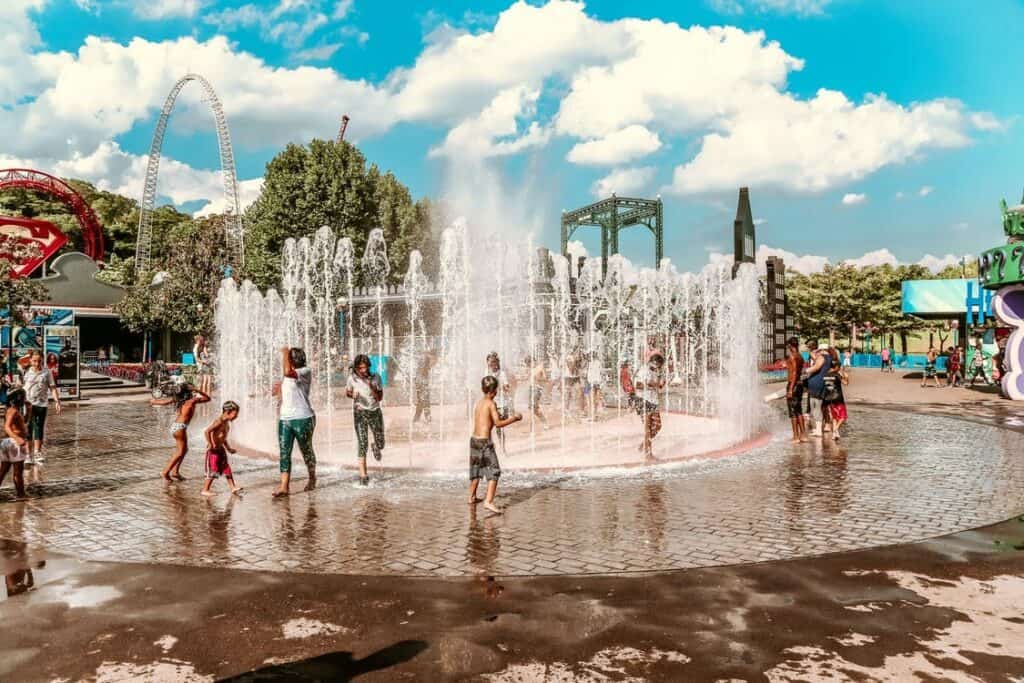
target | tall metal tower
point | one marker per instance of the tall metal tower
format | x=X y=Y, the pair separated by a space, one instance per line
x=612 y=215
x=235 y=234
x=341 y=131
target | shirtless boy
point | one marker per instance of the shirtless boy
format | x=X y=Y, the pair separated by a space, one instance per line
x=217 y=449
x=186 y=400
x=483 y=461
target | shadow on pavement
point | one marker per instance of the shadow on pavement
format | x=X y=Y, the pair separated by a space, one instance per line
x=336 y=666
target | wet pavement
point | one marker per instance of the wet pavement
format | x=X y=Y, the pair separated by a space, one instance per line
x=896 y=477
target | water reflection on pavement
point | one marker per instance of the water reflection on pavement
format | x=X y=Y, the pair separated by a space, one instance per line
x=896 y=477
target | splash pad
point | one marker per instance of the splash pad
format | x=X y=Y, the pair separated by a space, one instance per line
x=521 y=302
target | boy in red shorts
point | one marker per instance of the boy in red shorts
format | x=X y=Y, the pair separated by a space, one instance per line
x=217 y=449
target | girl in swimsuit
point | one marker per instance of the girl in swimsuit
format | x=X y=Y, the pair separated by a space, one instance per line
x=186 y=400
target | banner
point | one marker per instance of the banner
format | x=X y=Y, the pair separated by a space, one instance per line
x=62 y=355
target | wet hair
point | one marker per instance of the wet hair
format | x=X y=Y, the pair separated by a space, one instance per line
x=15 y=398
x=229 y=407
x=657 y=358
x=361 y=359
x=493 y=356
x=182 y=393
x=297 y=356
x=489 y=385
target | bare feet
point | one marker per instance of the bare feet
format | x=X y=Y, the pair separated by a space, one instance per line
x=177 y=475
x=794 y=440
x=237 y=490
x=311 y=484
x=207 y=493
x=474 y=501
x=280 y=493
x=493 y=508
x=166 y=477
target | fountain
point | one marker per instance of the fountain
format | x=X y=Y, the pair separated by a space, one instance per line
x=511 y=298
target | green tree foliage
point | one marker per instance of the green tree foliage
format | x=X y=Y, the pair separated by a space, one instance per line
x=17 y=293
x=325 y=183
x=191 y=272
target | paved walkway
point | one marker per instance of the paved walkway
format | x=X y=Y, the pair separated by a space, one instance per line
x=100 y=497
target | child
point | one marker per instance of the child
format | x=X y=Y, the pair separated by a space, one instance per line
x=483 y=461
x=504 y=399
x=626 y=383
x=14 y=448
x=649 y=382
x=186 y=399
x=366 y=391
x=538 y=376
x=217 y=448
x=594 y=380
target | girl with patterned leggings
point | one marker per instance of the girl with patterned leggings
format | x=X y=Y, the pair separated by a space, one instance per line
x=297 y=421
x=366 y=391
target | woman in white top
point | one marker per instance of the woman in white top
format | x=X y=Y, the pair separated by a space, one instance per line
x=366 y=391
x=297 y=421
x=39 y=387
x=201 y=357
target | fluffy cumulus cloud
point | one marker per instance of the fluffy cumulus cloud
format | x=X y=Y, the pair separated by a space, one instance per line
x=622 y=146
x=616 y=90
x=807 y=264
x=624 y=181
x=853 y=198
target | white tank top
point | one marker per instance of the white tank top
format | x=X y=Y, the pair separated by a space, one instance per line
x=295 y=395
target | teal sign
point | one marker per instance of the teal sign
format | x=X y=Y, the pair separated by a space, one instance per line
x=951 y=298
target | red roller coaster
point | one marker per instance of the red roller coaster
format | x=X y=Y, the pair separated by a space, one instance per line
x=29 y=179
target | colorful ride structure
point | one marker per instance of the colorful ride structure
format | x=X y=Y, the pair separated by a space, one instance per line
x=1001 y=269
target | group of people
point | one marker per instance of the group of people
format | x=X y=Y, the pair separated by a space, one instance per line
x=814 y=391
x=493 y=412
x=955 y=372
x=25 y=397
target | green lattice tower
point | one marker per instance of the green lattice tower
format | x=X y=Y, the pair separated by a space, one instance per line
x=612 y=215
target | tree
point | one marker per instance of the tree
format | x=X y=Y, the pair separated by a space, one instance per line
x=17 y=294
x=328 y=183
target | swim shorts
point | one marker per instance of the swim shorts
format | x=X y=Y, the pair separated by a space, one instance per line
x=483 y=460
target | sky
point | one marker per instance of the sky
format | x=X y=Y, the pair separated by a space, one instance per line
x=869 y=131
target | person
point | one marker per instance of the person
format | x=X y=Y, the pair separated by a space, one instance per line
x=929 y=368
x=978 y=365
x=648 y=383
x=185 y=400
x=218 y=447
x=14 y=446
x=483 y=460
x=821 y=363
x=835 y=401
x=538 y=378
x=573 y=385
x=296 y=419
x=201 y=355
x=886 y=359
x=504 y=398
x=101 y=357
x=421 y=385
x=626 y=382
x=847 y=360
x=39 y=383
x=594 y=382
x=365 y=390
x=954 y=374
x=795 y=390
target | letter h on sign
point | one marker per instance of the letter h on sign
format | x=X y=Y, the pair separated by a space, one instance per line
x=980 y=303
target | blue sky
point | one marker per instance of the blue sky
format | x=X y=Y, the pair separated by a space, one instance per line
x=860 y=126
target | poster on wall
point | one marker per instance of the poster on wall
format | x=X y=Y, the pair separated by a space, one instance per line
x=18 y=342
x=62 y=358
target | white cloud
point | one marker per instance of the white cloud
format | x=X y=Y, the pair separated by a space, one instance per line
x=166 y=9
x=798 y=7
x=624 y=181
x=806 y=263
x=937 y=263
x=492 y=133
x=853 y=198
x=878 y=257
x=342 y=9
x=925 y=191
x=620 y=147
x=320 y=53
x=813 y=145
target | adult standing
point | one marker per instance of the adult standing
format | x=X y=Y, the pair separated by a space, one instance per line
x=978 y=364
x=296 y=421
x=39 y=386
x=821 y=363
x=201 y=356
x=366 y=391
